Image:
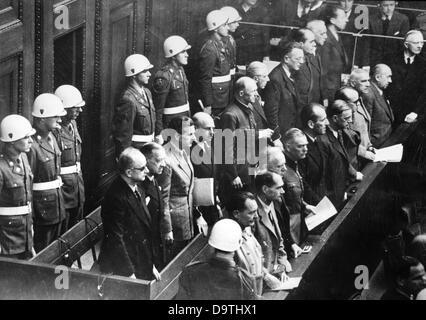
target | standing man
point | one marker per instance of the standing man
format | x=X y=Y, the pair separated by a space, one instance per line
x=233 y=23
x=170 y=88
x=156 y=162
x=319 y=29
x=45 y=161
x=127 y=247
x=296 y=149
x=16 y=219
x=378 y=106
x=215 y=65
x=134 y=117
x=69 y=142
x=333 y=54
x=282 y=102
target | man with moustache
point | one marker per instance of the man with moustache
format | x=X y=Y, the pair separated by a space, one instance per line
x=378 y=106
x=69 y=142
x=127 y=246
x=16 y=218
x=134 y=122
x=282 y=102
x=170 y=85
x=155 y=156
x=45 y=161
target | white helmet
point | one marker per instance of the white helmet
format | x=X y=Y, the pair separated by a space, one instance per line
x=47 y=105
x=175 y=45
x=14 y=128
x=226 y=235
x=232 y=14
x=215 y=19
x=135 y=64
x=71 y=97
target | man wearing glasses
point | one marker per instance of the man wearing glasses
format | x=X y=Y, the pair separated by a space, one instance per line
x=127 y=246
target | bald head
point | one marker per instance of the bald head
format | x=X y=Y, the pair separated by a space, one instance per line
x=204 y=124
x=319 y=29
x=276 y=161
x=259 y=72
x=246 y=90
x=382 y=76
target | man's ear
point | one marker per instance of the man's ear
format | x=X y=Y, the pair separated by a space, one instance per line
x=335 y=118
x=264 y=189
x=235 y=214
x=128 y=173
x=311 y=124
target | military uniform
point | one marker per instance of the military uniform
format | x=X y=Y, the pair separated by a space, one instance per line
x=216 y=279
x=49 y=209
x=134 y=119
x=69 y=141
x=170 y=92
x=16 y=225
x=232 y=51
x=215 y=74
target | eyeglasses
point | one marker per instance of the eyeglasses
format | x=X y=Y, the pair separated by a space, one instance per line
x=140 y=169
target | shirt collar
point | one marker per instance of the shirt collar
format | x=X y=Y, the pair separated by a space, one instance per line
x=378 y=89
x=267 y=208
x=406 y=56
x=287 y=71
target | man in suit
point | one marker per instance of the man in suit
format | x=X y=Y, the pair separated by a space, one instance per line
x=238 y=118
x=333 y=54
x=309 y=78
x=177 y=183
x=155 y=156
x=319 y=29
x=314 y=167
x=276 y=161
x=202 y=157
x=127 y=246
x=134 y=122
x=341 y=171
x=407 y=91
x=282 y=102
x=388 y=22
x=382 y=117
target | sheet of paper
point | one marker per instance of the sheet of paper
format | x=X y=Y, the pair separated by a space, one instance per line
x=204 y=192
x=390 y=154
x=290 y=284
x=324 y=211
x=271 y=65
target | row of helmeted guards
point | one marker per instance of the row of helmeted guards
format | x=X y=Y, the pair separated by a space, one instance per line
x=41 y=188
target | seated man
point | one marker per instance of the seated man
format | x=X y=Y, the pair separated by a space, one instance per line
x=127 y=246
x=219 y=278
x=410 y=279
x=276 y=161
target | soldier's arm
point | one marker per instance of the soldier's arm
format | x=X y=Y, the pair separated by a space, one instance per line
x=32 y=159
x=207 y=64
x=160 y=91
x=124 y=117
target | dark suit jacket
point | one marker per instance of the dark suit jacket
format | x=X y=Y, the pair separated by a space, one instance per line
x=282 y=103
x=127 y=245
x=381 y=50
x=334 y=61
x=339 y=169
x=382 y=117
x=407 y=91
x=309 y=80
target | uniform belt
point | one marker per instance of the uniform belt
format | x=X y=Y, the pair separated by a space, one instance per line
x=15 y=211
x=176 y=110
x=233 y=72
x=222 y=79
x=44 y=186
x=72 y=169
x=143 y=139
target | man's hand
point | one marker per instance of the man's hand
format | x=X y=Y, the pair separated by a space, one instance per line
x=159 y=139
x=275 y=42
x=156 y=274
x=359 y=176
x=271 y=281
x=133 y=276
x=208 y=110
x=266 y=134
x=412 y=117
x=297 y=251
x=202 y=226
x=237 y=183
x=370 y=156
x=168 y=239
x=310 y=209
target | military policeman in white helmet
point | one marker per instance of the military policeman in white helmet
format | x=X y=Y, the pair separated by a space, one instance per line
x=69 y=141
x=45 y=161
x=16 y=220
x=134 y=121
x=170 y=88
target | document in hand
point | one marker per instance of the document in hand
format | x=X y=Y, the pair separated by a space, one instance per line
x=324 y=211
x=290 y=284
x=390 y=154
x=204 y=192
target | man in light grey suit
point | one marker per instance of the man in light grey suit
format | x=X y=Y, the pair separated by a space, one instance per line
x=382 y=116
x=177 y=183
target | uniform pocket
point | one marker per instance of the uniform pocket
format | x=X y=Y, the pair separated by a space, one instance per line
x=13 y=234
x=16 y=190
x=46 y=208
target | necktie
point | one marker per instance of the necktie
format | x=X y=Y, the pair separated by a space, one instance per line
x=138 y=196
x=342 y=143
x=385 y=26
x=408 y=61
x=271 y=218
